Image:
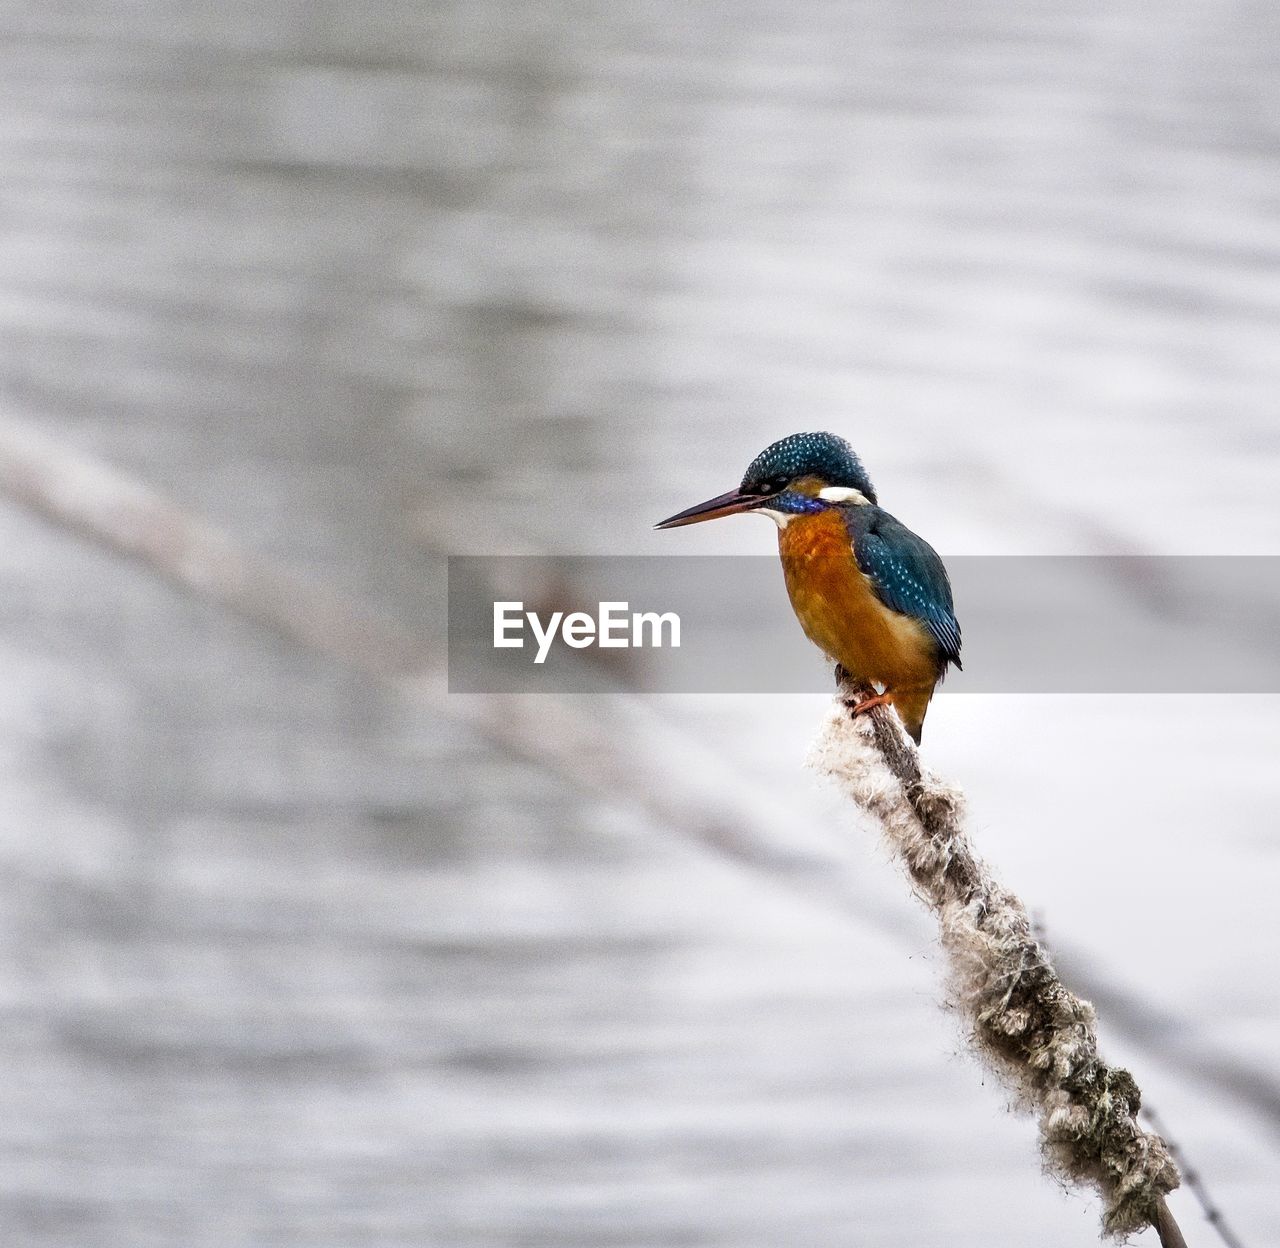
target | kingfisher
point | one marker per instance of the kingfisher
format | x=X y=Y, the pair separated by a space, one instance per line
x=871 y=594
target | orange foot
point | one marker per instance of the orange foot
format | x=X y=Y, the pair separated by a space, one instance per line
x=881 y=699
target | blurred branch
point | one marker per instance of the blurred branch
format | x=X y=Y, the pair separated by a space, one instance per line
x=112 y=509
x=1039 y=1037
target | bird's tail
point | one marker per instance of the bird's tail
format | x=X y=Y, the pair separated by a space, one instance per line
x=911 y=705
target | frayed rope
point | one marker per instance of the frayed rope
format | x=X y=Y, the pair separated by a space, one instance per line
x=1036 y=1035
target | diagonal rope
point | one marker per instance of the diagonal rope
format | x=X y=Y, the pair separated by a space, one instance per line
x=1025 y=1024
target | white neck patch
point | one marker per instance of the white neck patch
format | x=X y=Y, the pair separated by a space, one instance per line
x=843 y=494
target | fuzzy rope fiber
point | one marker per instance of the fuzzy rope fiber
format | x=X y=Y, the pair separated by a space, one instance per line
x=1038 y=1037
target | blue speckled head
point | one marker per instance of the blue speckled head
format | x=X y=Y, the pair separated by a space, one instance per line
x=823 y=455
x=789 y=479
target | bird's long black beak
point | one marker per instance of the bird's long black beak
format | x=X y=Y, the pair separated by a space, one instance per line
x=725 y=505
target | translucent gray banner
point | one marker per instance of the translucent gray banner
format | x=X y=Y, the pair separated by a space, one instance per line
x=1031 y=624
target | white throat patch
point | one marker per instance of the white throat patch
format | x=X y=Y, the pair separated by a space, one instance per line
x=843 y=494
x=780 y=518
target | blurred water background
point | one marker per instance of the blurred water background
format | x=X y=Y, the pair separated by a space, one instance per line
x=294 y=957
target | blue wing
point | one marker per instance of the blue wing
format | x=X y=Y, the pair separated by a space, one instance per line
x=906 y=574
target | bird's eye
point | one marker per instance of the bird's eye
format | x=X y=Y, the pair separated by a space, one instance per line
x=773 y=485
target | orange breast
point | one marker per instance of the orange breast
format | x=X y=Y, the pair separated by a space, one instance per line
x=840 y=613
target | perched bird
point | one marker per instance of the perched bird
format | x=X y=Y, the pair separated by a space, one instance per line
x=869 y=592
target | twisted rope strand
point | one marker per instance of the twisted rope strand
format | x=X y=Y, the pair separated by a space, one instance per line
x=1038 y=1036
